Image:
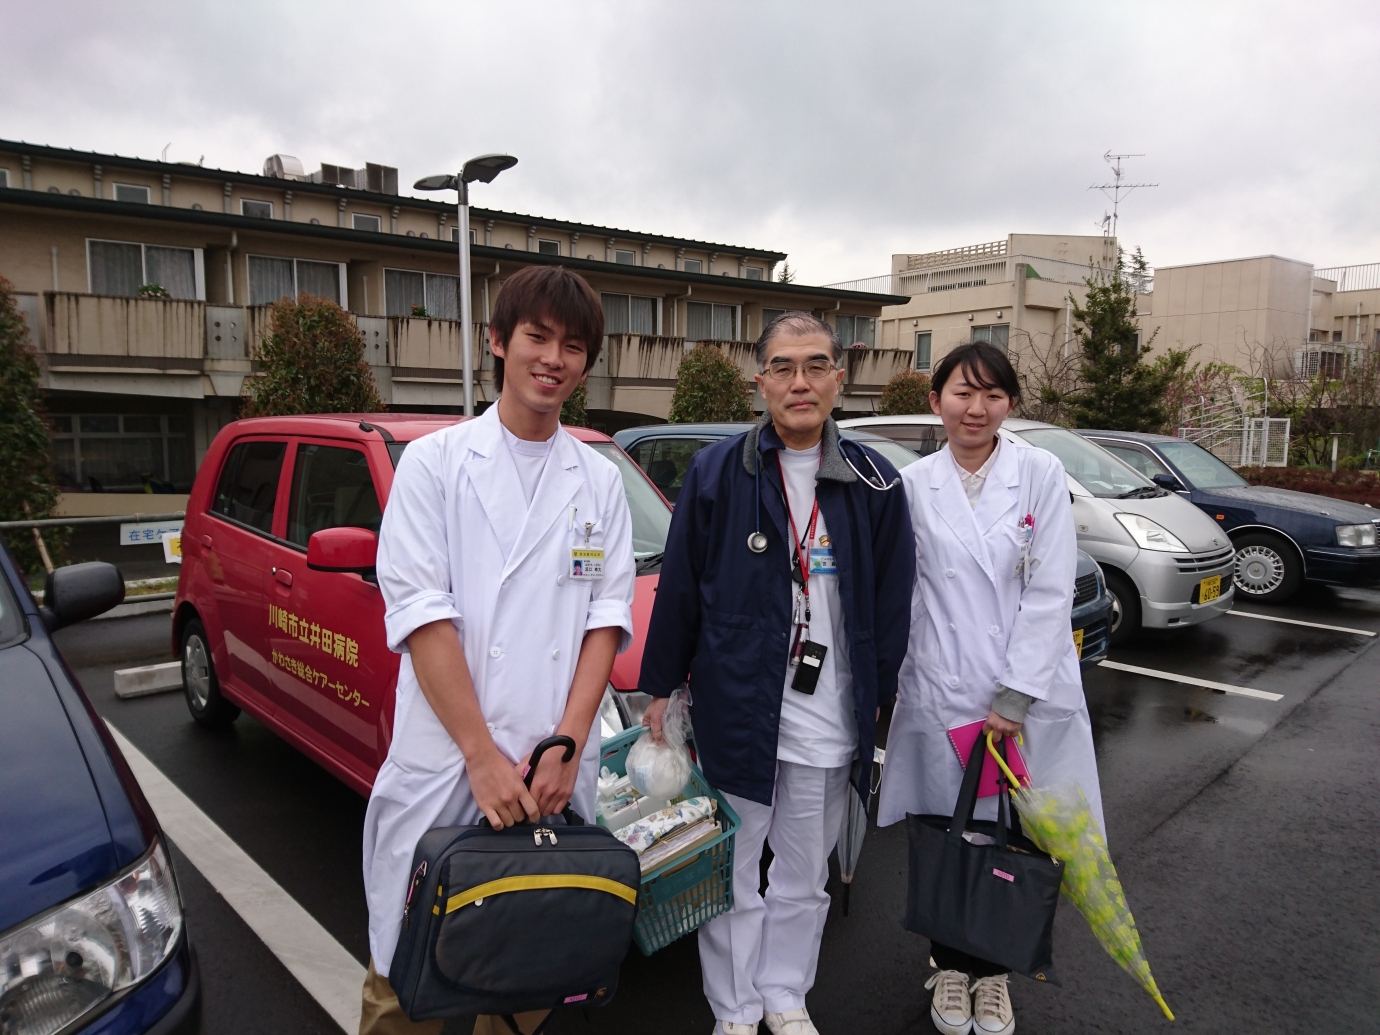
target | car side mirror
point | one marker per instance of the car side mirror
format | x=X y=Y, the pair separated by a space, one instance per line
x=1167 y=481
x=76 y=592
x=344 y=549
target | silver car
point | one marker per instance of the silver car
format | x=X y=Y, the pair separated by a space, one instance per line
x=1166 y=563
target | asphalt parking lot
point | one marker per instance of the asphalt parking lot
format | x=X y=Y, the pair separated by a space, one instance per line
x=1243 y=826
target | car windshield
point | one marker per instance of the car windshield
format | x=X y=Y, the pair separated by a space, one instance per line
x=1201 y=468
x=898 y=454
x=1090 y=465
x=651 y=517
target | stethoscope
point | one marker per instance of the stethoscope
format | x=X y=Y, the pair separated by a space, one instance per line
x=757 y=542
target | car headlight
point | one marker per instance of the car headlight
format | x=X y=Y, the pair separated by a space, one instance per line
x=1355 y=535
x=1151 y=535
x=61 y=965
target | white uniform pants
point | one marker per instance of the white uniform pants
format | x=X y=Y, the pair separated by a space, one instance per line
x=761 y=955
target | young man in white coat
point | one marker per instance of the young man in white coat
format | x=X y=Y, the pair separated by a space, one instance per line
x=503 y=642
x=995 y=557
x=785 y=598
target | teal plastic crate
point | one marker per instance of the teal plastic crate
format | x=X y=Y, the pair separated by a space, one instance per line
x=684 y=893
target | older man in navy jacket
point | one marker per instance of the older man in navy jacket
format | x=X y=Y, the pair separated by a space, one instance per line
x=785 y=599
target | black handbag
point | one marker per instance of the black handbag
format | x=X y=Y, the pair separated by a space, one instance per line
x=992 y=901
x=502 y=922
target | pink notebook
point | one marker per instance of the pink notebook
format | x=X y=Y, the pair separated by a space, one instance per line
x=964 y=737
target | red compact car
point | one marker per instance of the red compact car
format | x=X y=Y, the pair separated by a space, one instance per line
x=278 y=611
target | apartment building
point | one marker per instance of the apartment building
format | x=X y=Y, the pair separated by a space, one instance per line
x=139 y=385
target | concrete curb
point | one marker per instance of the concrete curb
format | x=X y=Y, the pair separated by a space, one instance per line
x=148 y=679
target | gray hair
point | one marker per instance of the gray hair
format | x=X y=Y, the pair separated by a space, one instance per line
x=797 y=322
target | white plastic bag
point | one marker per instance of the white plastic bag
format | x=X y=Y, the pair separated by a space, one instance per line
x=662 y=770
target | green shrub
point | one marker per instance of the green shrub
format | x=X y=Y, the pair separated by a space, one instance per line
x=907 y=392
x=27 y=486
x=573 y=409
x=312 y=361
x=710 y=387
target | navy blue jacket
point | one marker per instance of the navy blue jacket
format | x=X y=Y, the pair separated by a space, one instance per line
x=722 y=613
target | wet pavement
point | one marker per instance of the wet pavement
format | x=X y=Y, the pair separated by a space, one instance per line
x=1243 y=829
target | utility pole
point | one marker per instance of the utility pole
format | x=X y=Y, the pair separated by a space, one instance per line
x=1116 y=190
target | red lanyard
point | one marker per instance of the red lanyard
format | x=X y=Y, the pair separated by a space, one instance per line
x=798 y=542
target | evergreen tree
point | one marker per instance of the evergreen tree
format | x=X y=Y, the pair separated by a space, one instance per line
x=312 y=362
x=1120 y=390
x=907 y=392
x=27 y=486
x=787 y=275
x=710 y=387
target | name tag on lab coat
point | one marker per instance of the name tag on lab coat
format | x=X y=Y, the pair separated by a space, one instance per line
x=822 y=561
x=586 y=563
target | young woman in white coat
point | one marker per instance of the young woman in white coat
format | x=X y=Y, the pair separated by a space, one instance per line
x=995 y=557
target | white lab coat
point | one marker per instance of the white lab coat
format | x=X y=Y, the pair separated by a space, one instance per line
x=458 y=542
x=977 y=621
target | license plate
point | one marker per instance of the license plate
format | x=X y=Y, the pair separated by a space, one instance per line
x=1078 y=641
x=1209 y=589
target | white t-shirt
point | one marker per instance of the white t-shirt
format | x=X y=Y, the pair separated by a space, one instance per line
x=529 y=458
x=817 y=729
x=973 y=481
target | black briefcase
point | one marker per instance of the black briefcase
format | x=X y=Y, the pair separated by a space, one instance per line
x=530 y=917
x=992 y=901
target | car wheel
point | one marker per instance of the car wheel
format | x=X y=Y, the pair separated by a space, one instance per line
x=199 y=681
x=1125 y=622
x=1267 y=568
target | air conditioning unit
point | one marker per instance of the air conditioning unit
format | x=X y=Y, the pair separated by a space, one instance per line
x=337 y=174
x=381 y=179
x=283 y=167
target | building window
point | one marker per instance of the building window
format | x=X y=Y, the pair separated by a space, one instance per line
x=922 y=351
x=256 y=209
x=754 y=273
x=629 y=314
x=437 y=293
x=694 y=266
x=712 y=322
x=624 y=257
x=550 y=247
x=131 y=192
x=856 y=330
x=111 y=452
x=4 y=177
x=998 y=334
x=768 y=315
x=272 y=278
x=122 y=268
x=362 y=222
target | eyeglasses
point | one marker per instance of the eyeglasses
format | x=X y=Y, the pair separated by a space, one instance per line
x=815 y=369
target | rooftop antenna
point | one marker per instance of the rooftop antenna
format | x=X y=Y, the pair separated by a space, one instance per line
x=165 y=150
x=1116 y=190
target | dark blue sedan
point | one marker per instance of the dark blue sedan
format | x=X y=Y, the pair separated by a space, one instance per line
x=92 y=935
x=1282 y=537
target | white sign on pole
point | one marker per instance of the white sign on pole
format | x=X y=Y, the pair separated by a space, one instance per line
x=147 y=533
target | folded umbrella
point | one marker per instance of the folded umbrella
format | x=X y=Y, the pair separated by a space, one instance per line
x=1061 y=822
x=854 y=828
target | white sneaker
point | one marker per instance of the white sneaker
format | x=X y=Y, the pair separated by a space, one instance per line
x=792 y=1022
x=992 y=1013
x=733 y=1028
x=951 y=1009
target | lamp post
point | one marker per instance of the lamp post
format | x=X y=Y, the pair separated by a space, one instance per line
x=484 y=169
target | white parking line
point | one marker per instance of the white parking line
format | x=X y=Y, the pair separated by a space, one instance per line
x=330 y=975
x=1295 y=621
x=1174 y=677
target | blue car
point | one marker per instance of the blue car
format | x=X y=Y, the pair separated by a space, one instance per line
x=92 y=935
x=1282 y=537
x=664 y=452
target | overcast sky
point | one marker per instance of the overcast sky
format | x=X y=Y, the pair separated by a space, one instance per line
x=837 y=132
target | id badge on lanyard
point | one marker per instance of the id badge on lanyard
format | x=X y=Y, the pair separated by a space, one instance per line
x=807 y=657
x=586 y=562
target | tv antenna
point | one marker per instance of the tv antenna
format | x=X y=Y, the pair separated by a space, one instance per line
x=1116 y=190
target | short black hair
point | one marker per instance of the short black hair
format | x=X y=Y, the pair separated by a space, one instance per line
x=983 y=365
x=553 y=293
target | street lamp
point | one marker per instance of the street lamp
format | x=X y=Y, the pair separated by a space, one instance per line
x=484 y=169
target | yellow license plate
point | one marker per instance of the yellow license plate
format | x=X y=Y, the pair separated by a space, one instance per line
x=1078 y=641
x=1209 y=589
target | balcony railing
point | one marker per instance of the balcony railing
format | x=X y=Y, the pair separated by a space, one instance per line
x=1352 y=278
x=996 y=270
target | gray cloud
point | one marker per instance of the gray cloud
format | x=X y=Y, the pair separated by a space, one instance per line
x=837 y=132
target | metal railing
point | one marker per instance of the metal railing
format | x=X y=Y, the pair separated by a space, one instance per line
x=992 y=271
x=1365 y=277
x=74 y=521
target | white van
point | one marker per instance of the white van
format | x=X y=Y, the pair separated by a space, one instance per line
x=1167 y=564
